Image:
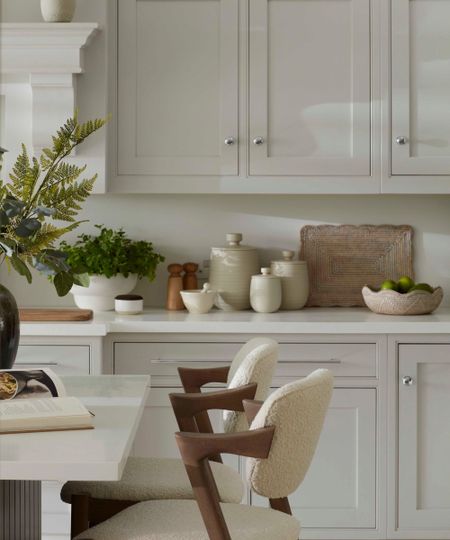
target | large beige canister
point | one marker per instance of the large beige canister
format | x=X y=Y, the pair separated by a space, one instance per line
x=294 y=280
x=231 y=269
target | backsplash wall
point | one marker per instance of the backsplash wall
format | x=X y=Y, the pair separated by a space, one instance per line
x=184 y=228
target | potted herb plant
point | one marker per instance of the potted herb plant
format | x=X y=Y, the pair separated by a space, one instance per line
x=113 y=262
x=42 y=194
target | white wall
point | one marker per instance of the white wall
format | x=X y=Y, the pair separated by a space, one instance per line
x=184 y=227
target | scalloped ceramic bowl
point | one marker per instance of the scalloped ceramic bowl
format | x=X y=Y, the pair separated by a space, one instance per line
x=389 y=302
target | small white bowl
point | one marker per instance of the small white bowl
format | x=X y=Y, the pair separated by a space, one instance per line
x=198 y=301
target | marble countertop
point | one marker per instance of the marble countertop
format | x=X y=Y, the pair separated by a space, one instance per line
x=117 y=401
x=306 y=321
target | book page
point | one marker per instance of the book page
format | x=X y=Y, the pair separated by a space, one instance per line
x=41 y=408
x=24 y=415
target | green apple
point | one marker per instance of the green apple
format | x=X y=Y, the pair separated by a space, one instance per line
x=423 y=287
x=404 y=284
x=389 y=284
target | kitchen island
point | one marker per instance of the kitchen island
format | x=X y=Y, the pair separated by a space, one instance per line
x=383 y=453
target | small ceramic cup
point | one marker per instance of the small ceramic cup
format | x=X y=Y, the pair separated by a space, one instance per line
x=199 y=301
x=129 y=304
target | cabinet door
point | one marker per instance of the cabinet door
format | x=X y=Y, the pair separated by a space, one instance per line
x=424 y=437
x=309 y=87
x=177 y=87
x=340 y=487
x=420 y=87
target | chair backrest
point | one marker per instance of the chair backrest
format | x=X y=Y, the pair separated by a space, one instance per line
x=255 y=362
x=297 y=410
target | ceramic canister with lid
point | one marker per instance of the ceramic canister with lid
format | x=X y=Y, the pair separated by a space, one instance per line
x=265 y=292
x=294 y=280
x=231 y=269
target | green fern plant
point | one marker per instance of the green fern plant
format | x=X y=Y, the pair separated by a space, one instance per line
x=42 y=195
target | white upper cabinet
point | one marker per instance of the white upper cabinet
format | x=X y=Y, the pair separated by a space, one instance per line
x=420 y=87
x=309 y=77
x=177 y=87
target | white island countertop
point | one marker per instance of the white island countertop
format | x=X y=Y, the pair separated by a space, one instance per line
x=98 y=454
x=306 y=321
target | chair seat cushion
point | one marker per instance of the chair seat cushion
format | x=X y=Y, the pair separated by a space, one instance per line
x=181 y=520
x=146 y=479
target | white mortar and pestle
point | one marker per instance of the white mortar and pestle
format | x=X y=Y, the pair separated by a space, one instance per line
x=199 y=301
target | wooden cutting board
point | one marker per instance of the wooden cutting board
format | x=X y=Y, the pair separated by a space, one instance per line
x=54 y=315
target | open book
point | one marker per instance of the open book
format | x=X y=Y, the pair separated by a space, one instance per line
x=35 y=400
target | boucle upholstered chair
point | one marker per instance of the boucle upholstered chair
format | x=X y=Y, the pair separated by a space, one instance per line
x=280 y=444
x=249 y=376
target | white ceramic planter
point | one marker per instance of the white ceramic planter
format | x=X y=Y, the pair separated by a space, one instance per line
x=100 y=294
x=58 y=10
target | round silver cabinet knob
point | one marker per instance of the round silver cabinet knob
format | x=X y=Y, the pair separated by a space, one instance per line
x=407 y=380
x=229 y=141
x=258 y=141
x=401 y=140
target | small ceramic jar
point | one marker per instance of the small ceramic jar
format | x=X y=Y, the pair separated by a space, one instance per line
x=129 y=304
x=231 y=269
x=294 y=280
x=265 y=292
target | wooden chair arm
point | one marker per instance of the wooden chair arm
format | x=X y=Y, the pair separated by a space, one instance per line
x=195 y=447
x=251 y=408
x=187 y=406
x=193 y=379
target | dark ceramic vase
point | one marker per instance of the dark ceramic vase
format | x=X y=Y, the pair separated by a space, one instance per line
x=9 y=328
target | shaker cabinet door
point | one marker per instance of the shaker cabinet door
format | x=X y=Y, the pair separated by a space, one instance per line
x=420 y=87
x=339 y=491
x=424 y=438
x=177 y=87
x=309 y=87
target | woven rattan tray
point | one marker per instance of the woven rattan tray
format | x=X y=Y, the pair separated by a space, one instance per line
x=342 y=259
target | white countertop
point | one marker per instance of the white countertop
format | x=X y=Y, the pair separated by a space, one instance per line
x=306 y=321
x=98 y=454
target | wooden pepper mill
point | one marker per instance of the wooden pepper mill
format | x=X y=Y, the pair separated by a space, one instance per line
x=174 y=286
x=190 y=281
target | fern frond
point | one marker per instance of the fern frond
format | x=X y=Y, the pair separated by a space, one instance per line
x=24 y=176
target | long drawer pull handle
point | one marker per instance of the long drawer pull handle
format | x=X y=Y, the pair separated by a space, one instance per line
x=172 y=361
x=37 y=364
x=329 y=361
x=186 y=361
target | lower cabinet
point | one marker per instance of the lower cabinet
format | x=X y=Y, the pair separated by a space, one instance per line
x=424 y=440
x=63 y=360
x=339 y=490
x=338 y=496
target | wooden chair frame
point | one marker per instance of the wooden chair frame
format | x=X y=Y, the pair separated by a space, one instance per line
x=191 y=411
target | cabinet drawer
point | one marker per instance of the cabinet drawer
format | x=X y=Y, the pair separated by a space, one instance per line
x=343 y=359
x=161 y=360
x=63 y=359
